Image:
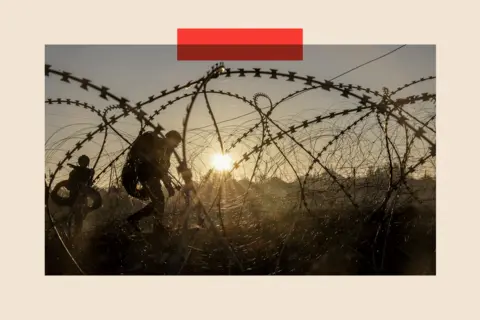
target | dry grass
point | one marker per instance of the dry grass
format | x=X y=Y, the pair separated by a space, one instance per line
x=332 y=240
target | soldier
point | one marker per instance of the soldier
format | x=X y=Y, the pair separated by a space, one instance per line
x=148 y=163
x=80 y=176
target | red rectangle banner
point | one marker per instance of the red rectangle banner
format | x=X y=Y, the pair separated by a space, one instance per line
x=240 y=44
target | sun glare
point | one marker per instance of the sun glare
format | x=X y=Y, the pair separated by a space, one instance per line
x=222 y=162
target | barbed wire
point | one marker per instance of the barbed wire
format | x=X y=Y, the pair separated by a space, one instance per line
x=291 y=156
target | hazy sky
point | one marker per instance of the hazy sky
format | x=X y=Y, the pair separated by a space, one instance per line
x=137 y=72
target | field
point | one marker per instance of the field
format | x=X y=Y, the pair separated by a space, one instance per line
x=265 y=239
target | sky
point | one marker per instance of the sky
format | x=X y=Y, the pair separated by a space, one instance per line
x=137 y=72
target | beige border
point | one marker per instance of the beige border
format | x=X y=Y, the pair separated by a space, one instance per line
x=28 y=25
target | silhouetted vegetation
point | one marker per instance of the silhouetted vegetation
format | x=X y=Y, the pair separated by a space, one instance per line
x=270 y=235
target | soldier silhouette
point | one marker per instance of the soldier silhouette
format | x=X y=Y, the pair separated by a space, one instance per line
x=80 y=176
x=147 y=164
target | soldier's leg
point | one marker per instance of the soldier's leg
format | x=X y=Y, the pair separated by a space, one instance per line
x=142 y=213
x=142 y=172
x=155 y=192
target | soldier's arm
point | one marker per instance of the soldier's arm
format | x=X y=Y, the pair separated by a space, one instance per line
x=163 y=168
x=90 y=179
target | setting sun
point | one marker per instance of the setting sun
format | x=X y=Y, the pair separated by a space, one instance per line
x=222 y=162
